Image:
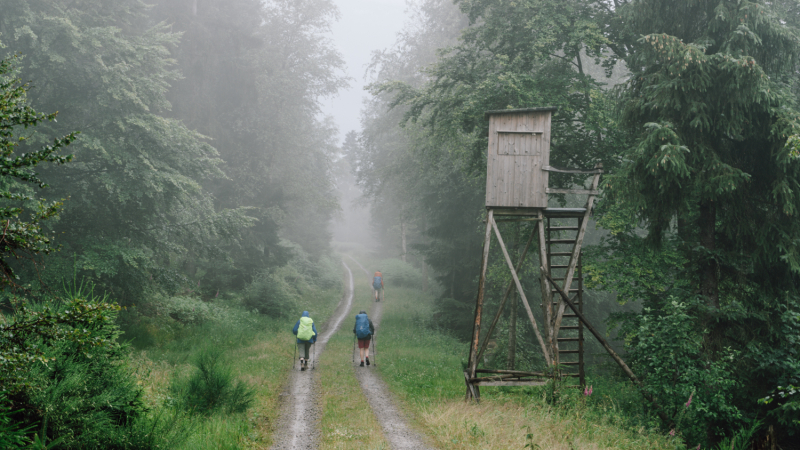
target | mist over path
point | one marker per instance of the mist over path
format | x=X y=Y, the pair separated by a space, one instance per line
x=298 y=427
x=392 y=420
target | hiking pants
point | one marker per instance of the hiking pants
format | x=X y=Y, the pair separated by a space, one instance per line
x=304 y=346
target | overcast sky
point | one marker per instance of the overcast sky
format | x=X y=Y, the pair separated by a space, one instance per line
x=364 y=26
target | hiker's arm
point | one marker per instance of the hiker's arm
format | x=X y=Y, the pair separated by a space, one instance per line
x=371 y=327
x=296 y=326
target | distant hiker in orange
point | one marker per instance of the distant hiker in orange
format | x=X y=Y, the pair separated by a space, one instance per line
x=306 y=333
x=364 y=329
x=377 y=285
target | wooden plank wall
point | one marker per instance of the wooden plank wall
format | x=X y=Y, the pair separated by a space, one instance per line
x=514 y=161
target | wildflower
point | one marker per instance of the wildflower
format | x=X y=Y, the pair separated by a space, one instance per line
x=672 y=432
x=690 y=400
x=698 y=447
x=587 y=391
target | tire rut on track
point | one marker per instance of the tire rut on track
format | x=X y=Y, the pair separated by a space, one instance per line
x=298 y=426
x=392 y=420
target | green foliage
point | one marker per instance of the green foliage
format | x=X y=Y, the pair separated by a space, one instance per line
x=22 y=237
x=30 y=335
x=13 y=435
x=400 y=273
x=210 y=388
x=278 y=292
x=63 y=362
x=666 y=350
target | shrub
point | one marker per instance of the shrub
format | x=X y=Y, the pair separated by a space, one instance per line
x=400 y=273
x=63 y=362
x=210 y=388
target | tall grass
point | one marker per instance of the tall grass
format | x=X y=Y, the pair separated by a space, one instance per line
x=230 y=369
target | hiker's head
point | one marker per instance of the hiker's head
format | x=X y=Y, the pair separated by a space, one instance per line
x=362 y=312
x=305 y=313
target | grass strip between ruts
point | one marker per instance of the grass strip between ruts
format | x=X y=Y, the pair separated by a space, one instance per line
x=347 y=420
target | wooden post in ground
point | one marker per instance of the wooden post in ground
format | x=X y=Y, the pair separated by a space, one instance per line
x=476 y=328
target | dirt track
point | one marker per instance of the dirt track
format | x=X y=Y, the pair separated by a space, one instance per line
x=298 y=427
x=392 y=420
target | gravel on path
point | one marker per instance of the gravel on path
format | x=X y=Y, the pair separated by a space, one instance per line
x=298 y=426
x=392 y=420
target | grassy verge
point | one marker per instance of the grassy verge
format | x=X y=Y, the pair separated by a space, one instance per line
x=255 y=349
x=347 y=421
x=424 y=369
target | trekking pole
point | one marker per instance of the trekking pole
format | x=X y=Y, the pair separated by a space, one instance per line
x=354 y=347
x=294 y=357
x=314 y=356
x=374 y=353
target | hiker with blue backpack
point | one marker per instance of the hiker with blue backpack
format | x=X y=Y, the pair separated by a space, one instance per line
x=306 y=333
x=364 y=330
x=377 y=285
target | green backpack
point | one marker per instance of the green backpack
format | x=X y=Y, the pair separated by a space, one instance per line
x=305 y=331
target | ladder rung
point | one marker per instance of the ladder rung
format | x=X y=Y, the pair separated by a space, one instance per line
x=567 y=227
x=570 y=363
x=568 y=352
x=568 y=339
x=560 y=266
x=560 y=254
x=569 y=328
x=562 y=279
x=562 y=241
x=569 y=315
x=571 y=290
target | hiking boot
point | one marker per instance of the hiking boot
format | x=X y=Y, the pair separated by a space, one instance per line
x=367 y=360
x=362 y=364
x=306 y=364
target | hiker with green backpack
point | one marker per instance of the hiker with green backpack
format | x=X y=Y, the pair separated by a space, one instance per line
x=306 y=333
x=364 y=329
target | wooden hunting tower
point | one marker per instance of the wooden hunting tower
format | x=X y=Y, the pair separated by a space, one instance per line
x=519 y=147
x=518 y=167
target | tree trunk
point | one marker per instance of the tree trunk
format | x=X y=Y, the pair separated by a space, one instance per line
x=403 y=237
x=512 y=334
x=709 y=282
x=424 y=276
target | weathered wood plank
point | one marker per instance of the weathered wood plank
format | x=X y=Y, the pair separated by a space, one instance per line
x=476 y=329
x=510 y=383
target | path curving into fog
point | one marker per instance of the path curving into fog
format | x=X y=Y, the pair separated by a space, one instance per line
x=393 y=422
x=301 y=410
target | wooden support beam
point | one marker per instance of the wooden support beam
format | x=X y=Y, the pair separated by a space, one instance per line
x=572 y=191
x=505 y=297
x=565 y=298
x=538 y=335
x=511 y=383
x=558 y=170
x=512 y=372
x=476 y=328
x=547 y=307
x=608 y=348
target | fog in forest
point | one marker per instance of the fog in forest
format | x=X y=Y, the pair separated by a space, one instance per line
x=183 y=179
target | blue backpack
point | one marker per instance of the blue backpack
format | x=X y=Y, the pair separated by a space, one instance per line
x=362 y=326
x=376 y=283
